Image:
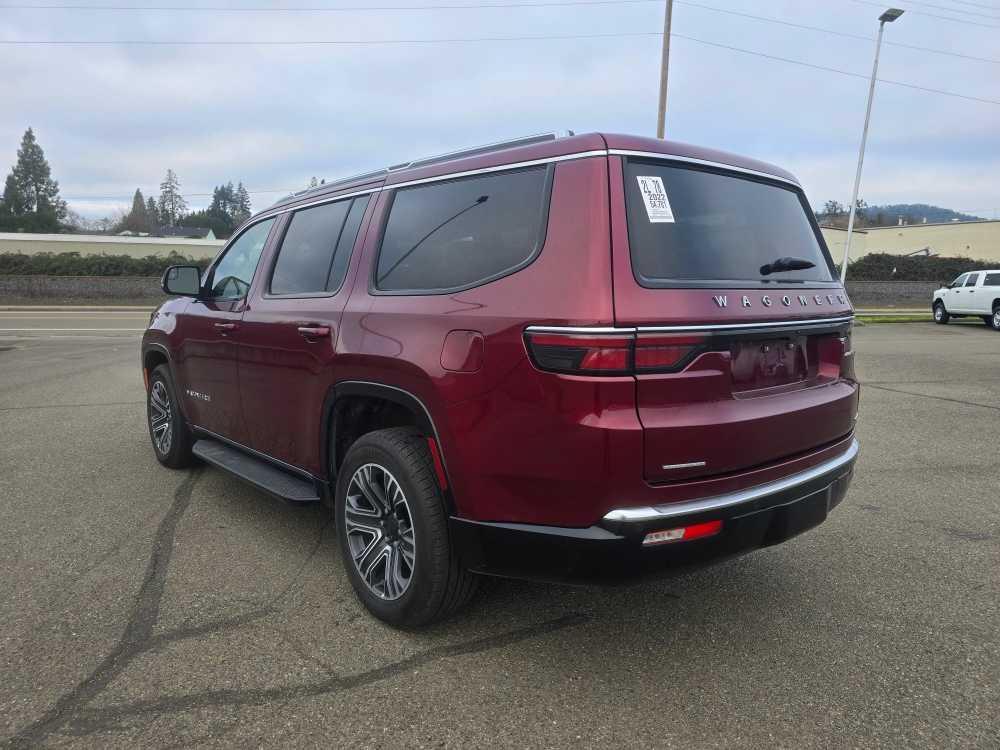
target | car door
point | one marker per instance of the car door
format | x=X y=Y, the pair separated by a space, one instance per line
x=207 y=329
x=955 y=296
x=979 y=303
x=289 y=331
x=968 y=293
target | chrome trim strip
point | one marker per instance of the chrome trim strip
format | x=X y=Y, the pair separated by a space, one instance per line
x=588 y=330
x=738 y=326
x=701 y=162
x=498 y=168
x=257 y=454
x=689 y=465
x=671 y=510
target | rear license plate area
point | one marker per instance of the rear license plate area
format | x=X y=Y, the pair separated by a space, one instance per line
x=768 y=363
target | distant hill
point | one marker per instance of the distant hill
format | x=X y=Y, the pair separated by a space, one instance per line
x=835 y=215
x=913 y=213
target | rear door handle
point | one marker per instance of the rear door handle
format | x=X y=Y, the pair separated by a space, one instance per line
x=225 y=326
x=314 y=332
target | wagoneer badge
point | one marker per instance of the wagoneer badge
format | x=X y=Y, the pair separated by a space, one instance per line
x=803 y=300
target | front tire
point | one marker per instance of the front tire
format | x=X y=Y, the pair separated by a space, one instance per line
x=993 y=321
x=392 y=530
x=168 y=431
x=941 y=315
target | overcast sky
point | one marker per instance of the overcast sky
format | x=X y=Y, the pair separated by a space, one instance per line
x=114 y=118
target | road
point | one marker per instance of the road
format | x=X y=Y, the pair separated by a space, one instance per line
x=141 y=607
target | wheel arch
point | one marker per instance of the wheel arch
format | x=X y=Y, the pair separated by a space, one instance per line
x=393 y=407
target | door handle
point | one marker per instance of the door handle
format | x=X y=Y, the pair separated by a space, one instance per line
x=225 y=326
x=314 y=332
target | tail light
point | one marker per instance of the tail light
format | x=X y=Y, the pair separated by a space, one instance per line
x=621 y=354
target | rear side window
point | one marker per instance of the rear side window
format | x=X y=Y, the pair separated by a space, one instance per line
x=316 y=248
x=691 y=227
x=452 y=235
x=992 y=279
x=972 y=280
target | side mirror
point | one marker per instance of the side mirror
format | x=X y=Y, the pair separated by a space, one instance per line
x=183 y=281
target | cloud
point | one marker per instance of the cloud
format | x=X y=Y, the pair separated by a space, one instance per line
x=113 y=118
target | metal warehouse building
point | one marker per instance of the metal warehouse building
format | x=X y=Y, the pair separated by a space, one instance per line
x=979 y=240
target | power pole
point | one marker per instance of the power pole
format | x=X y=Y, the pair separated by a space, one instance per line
x=661 y=119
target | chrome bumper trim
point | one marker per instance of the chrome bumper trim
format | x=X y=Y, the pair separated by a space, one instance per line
x=671 y=510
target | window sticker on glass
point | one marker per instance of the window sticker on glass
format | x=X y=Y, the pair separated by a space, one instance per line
x=655 y=197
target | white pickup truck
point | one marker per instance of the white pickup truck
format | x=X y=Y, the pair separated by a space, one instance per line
x=973 y=293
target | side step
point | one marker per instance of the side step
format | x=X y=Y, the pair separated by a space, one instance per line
x=256 y=471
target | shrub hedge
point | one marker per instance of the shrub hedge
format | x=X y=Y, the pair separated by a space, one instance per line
x=886 y=267
x=74 y=264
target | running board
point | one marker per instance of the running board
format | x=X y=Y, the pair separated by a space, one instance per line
x=256 y=471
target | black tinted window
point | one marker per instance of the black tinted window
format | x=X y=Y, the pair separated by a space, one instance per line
x=693 y=225
x=342 y=258
x=992 y=279
x=972 y=280
x=306 y=252
x=449 y=235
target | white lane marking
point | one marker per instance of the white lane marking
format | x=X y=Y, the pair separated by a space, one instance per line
x=100 y=330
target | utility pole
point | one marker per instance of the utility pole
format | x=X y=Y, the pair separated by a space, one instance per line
x=661 y=119
x=888 y=17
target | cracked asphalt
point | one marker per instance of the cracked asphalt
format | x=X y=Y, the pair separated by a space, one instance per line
x=141 y=607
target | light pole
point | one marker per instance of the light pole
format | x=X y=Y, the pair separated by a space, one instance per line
x=888 y=17
x=661 y=118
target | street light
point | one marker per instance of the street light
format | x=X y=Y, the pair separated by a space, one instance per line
x=888 y=17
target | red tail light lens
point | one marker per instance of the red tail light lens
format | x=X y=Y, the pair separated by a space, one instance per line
x=659 y=352
x=612 y=354
x=584 y=355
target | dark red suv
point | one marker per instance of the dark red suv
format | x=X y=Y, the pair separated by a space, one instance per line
x=575 y=358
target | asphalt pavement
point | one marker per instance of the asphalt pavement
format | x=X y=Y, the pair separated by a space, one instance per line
x=143 y=607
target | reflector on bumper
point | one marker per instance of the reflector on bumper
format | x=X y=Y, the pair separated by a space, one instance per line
x=683 y=533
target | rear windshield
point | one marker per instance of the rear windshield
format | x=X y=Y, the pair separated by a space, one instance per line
x=689 y=226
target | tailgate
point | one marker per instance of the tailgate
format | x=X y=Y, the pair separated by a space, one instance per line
x=747 y=398
x=742 y=351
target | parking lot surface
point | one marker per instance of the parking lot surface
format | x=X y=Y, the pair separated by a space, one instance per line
x=142 y=607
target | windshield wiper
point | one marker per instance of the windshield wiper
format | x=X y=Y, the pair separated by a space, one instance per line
x=786 y=264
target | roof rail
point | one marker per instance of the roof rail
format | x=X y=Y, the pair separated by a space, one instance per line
x=526 y=140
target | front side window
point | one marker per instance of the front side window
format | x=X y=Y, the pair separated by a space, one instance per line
x=445 y=236
x=960 y=281
x=690 y=226
x=232 y=275
x=973 y=279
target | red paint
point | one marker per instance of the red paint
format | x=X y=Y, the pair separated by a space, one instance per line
x=514 y=443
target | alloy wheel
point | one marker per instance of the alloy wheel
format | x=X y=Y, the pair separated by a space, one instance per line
x=996 y=319
x=379 y=530
x=938 y=312
x=160 y=422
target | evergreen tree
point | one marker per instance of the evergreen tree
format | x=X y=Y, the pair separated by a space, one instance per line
x=171 y=206
x=31 y=197
x=152 y=212
x=243 y=207
x=138 y=219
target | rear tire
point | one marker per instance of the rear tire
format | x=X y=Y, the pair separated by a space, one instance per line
x=168 y=431
x=392 y=530
x=993 y=321
x=941 y=315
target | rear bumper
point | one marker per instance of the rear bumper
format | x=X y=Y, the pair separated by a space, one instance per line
x=613 y=552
